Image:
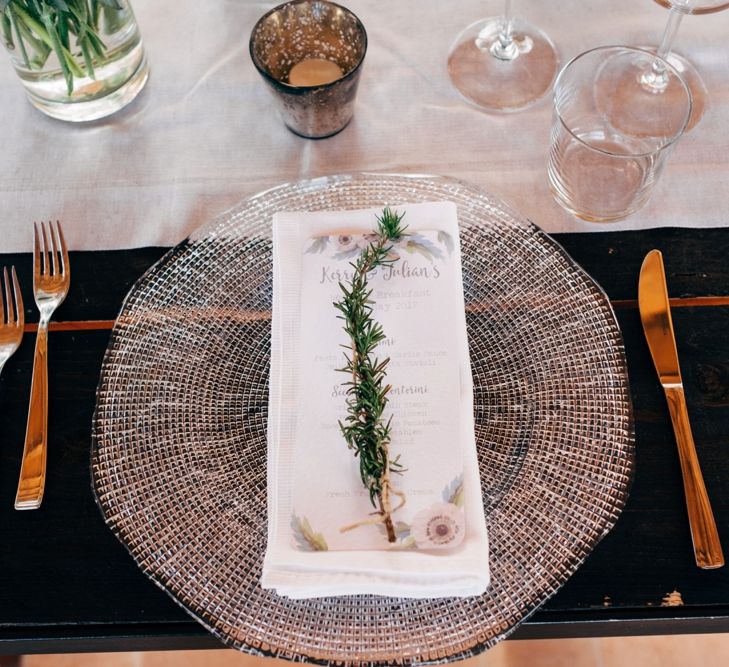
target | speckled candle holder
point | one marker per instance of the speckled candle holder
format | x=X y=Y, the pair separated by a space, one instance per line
x=304 y=29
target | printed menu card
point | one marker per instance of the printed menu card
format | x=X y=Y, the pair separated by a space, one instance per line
x=326 y=536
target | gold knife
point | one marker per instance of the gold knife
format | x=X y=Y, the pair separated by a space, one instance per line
x=655 y=313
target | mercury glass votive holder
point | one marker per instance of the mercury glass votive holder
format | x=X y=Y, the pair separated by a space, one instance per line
x=310 y=54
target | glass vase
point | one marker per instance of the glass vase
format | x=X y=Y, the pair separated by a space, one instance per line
x=78 y=60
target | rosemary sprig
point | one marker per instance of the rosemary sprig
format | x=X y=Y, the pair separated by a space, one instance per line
x=365 y=429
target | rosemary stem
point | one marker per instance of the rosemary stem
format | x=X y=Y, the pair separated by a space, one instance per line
x=364 y=430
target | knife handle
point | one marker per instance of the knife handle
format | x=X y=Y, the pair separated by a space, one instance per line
x=707 y=547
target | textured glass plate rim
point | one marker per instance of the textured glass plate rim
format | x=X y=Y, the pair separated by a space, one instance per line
x=314 y=185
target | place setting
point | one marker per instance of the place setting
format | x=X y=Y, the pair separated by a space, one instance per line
x=268 y=448
x=179 y=487
x=373 y=417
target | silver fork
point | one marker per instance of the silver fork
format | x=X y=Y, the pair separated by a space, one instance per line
x=12 y=317
x=51 y=278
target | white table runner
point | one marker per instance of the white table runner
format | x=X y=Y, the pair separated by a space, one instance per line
x=203 y=134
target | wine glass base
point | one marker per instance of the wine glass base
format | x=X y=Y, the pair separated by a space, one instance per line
x=502 y=80
x=636 y=102
x=692 y=78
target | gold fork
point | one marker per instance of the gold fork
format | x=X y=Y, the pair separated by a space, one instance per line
x=51 y=278
x=12 y=317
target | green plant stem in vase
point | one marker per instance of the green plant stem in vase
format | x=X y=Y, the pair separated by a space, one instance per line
x=365 y=429
x=77 y=53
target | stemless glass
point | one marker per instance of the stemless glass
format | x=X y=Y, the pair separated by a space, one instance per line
x=502 y=63
x=654 y=80
x=607 y=147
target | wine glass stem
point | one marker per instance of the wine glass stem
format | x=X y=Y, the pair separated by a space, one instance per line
x=669 y=34
x=504 y=47
x=657 y=78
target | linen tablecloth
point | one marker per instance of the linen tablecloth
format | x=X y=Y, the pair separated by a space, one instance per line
x=203 y=134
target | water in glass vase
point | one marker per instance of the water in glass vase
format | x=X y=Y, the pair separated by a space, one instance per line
x=78 y=64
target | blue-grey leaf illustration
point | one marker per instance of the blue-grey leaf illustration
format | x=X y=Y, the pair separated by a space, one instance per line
x=318 y=245
x=447 y=240
x=407 y=543
x=453 y=493
x=402 y=530
x=418 y=243
x=306 y=538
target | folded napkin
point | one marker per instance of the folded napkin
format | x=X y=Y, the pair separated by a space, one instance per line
x=314 y=488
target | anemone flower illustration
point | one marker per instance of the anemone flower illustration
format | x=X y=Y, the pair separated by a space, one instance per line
x=441 y=526
x=347 y=242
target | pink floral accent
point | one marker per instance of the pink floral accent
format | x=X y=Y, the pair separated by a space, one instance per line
x=441 y=526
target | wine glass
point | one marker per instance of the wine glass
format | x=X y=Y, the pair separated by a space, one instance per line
x=502 y=63
x=655 y=81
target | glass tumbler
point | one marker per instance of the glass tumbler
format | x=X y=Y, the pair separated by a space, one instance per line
x=310 y=54
x=610 y=137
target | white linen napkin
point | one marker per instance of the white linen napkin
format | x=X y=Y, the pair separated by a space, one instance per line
x=313 y=481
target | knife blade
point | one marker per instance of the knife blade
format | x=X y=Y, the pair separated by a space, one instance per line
x=655 y=314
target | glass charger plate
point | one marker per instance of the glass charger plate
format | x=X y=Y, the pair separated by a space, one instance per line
x=179 y=434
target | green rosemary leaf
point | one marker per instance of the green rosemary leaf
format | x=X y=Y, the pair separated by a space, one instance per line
x=7 y=28
x=79 y=18
x=113 y=17
x=22 y=32
x=96 y=43
x=88 y=60
x=57 y=46
x=94 y=14
x=32 y=22
x=72 y=64
x=40 y=49
x=62 y=26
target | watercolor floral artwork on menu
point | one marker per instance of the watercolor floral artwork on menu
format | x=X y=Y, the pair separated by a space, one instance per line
x=438 y=526
x=348 y=246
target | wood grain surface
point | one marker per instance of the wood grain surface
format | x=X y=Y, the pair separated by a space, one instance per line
x=67 y=584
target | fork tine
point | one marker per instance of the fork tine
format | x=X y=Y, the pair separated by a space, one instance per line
x=19 y=309
x=55 y=251
x=65 y=265
x=8 y=298
x=36 y=254
x=48 y=263
x=5 y=298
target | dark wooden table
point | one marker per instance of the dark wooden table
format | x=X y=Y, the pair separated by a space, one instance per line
x=66 y=584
